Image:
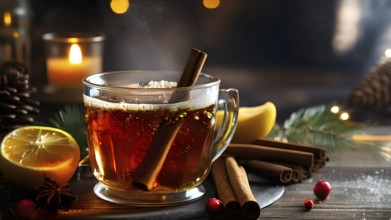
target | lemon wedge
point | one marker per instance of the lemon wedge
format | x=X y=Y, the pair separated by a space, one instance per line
x=253 y=122
x=30 y=153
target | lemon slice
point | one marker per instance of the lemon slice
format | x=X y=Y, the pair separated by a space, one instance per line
x=30 y=153
x=253 y=122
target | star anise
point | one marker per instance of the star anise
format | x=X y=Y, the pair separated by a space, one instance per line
x=54 y=196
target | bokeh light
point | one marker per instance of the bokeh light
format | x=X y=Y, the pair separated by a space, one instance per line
x=7 y=19
x=211 y=4
x=388 y=53
x=344 y=116
x=119 y=6
x=334 y=109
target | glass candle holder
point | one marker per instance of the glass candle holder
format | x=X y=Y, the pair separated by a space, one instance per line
x=71 y=57
x=14 y=31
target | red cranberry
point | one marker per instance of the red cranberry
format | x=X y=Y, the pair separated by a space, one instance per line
x=308 y=204
x=214 y=207
x=26 y=209
x=322 y=189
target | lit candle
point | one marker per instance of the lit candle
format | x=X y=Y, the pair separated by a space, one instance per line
x=69 y=71
x=71 y=57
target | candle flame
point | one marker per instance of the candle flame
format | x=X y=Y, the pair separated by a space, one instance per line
x=7 y=19
x=75 y=55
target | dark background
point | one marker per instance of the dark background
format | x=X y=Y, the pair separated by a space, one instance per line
x=295 y=53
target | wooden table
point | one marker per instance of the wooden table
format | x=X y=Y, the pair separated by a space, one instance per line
x=360 y=190
x=360 y=181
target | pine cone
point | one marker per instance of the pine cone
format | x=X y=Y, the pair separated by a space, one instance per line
x=374 y=90
x=16 y=106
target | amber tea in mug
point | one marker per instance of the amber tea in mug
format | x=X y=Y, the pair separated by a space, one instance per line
x=125 y=111
x=120 y=135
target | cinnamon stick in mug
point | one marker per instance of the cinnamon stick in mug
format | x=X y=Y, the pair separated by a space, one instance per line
x=148 y=170
x=239 y=182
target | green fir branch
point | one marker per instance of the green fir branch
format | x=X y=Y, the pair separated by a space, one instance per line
x=71 y=119
x=318 y=126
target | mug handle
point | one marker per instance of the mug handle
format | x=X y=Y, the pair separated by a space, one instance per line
x=229 y=102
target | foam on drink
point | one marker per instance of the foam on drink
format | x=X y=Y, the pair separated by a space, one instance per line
x=197 y=98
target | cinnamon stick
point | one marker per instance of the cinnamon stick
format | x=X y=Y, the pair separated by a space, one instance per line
x=249 y=212
x=320 y=163
x=148 y=170
x=270 y=154
x=318 y=152
x=244 y=174
x=320 y=158
x=241 y=187
x=297 y=176
x=298 y=172
x=282 y=174
x=224 y=190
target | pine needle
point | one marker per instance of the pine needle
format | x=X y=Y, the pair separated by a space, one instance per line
x=71 y=119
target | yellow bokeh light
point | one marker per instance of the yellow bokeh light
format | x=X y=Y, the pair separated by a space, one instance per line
x=344 y=116
x=119 y=6
x=75 y=55
x=7 y=19
x=211 y=4
x=334 y=109
x=15 y=35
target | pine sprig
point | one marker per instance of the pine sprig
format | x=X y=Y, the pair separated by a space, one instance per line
x=317 y=126
x=71 y=119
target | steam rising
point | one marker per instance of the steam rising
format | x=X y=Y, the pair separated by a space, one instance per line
x=148 y=36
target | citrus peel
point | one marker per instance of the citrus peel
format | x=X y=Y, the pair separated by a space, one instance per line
x=253 y=122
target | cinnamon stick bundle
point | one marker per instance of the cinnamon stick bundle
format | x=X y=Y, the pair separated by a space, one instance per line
x=279 y=161
x=270 y=154
x=148 y=170
x=318 y=152
x=320 y=158
x=224 y=190
x=241 y=186
x=277 y=172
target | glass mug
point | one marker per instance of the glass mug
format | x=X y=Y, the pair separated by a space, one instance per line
x=147 y=149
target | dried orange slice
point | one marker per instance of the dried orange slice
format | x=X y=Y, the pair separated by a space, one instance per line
x=30 y=153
